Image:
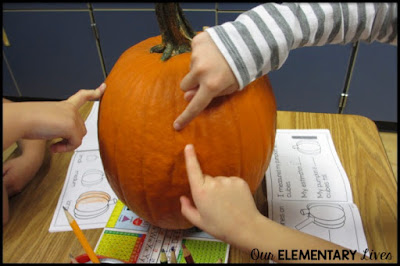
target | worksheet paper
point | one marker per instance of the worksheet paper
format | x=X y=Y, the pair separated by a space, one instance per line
x=308 y=189
x=86 y=193
x=129 y=238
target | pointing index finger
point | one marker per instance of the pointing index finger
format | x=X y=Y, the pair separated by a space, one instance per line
x=199 y=102
x=82 y=96
x=193 y=169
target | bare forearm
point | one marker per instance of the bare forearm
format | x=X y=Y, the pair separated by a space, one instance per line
x=33 y=150
x=32 y=146
x=13 y=124
x=5 y=205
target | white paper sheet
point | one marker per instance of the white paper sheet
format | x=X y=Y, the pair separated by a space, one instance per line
x=90 y=141
x=308 y=189
x=86 y=193
x=150 y=240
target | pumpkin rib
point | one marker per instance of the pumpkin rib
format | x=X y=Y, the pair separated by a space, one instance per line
x=270 y=109
x=153 y=96
x=142 y=126
x=115 y=158
x=271 y=126
x=232 y=107
x=258 y=108
x=256 y=146
x=148 y=95
x=149 y=197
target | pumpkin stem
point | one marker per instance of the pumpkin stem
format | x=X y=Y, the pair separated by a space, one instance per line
x=176 y=32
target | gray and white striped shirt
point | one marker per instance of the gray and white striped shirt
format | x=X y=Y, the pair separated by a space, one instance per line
x=260 y=39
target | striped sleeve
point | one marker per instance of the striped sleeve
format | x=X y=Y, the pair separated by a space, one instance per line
x=259 y=40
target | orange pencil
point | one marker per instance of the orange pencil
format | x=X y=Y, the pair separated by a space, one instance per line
x=187 y=255
x=82 y=239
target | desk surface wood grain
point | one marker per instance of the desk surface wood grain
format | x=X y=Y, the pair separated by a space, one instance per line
x=26 y=237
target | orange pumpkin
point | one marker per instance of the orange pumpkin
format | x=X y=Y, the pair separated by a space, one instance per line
x=141 y=152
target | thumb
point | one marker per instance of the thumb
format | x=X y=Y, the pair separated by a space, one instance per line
x=65 y=145
x=189 y=211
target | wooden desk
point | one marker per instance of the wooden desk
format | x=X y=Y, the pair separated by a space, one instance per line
x=26 y=237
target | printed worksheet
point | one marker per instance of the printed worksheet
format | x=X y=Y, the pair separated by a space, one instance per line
x=86 y=193
x=90 y=141
x=129 y=238
x=308 y=189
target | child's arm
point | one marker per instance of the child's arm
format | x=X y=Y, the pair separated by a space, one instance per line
x=48 y=120
x=227 y=57
x=224 y=207
x=5 y=205
x=19 y=171
x=31 y=123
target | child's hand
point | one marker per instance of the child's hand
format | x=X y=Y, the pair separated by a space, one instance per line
x=222 y=204
x=49 y=120
x=18 y=171
x=78 y=99
x=210 y=76
x=82 y=96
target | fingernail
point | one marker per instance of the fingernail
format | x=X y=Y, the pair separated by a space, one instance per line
x=188 y=146
x=186 y=97
x=102 y=87
x=177 y=126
